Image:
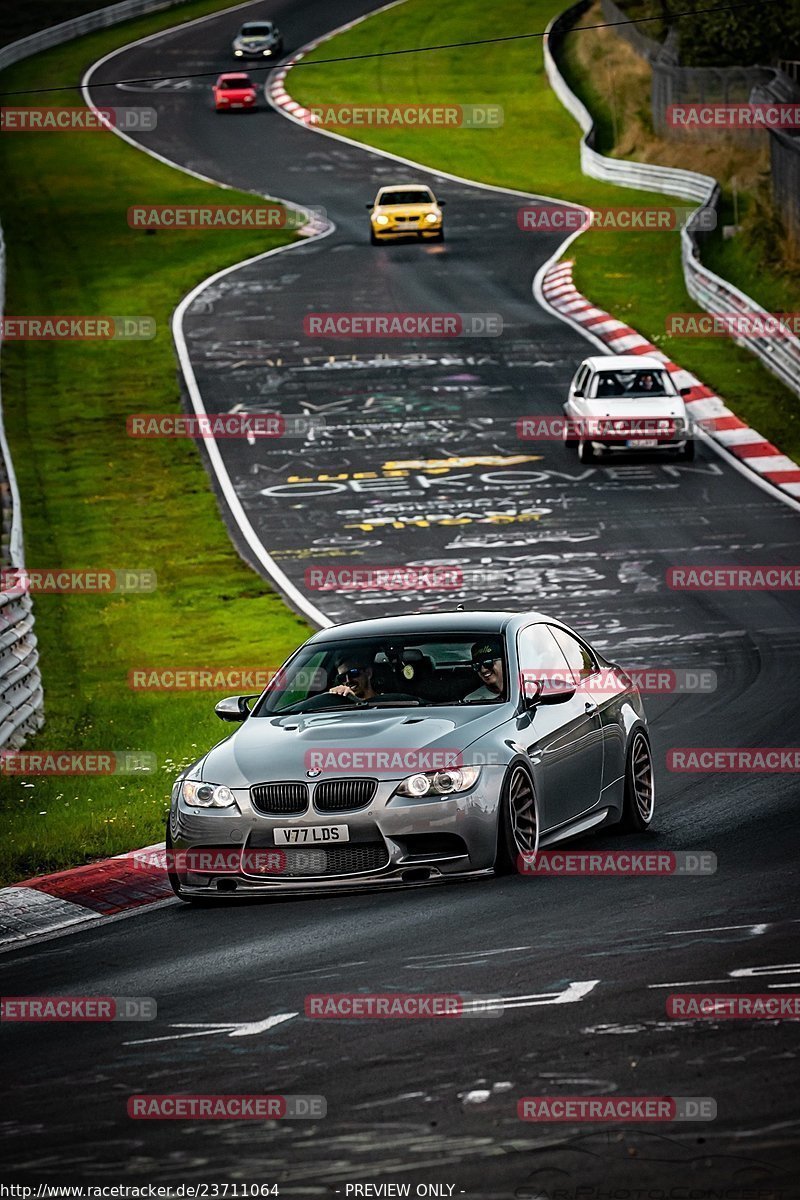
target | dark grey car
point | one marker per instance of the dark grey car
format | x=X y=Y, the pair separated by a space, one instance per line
x=413 y=749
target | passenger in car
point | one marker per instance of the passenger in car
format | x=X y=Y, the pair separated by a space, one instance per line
x=487 y=661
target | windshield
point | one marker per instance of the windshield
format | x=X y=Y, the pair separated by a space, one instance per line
x=237 y=84
x=256 y=30
x=632 y=384
x=417 y=196
x=423 y=670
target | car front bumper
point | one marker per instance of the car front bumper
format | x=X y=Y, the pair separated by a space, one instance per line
x=393 y=841
x=406 y=229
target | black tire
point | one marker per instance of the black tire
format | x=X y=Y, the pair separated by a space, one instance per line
x=688 y=451
x=439 y=237
x=586 y=452
x=638 y=804
x=517 y=822
x=372 y=239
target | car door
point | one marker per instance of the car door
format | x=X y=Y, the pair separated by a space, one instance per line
x=564 y=740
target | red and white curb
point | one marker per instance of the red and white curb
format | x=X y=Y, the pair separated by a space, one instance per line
x=704 y=407
x=82 y=896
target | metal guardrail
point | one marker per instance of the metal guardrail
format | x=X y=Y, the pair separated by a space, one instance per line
x=21 y=693
x=21 y=696
x=89 y=22
x=714 y=294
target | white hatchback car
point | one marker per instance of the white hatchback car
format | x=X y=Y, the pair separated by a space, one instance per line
x=626 y=402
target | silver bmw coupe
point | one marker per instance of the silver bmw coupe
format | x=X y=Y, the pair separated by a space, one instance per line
x=408 y=750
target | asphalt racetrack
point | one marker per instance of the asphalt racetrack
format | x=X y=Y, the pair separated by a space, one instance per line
x=418 y=461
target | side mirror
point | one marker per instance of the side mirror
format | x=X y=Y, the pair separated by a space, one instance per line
x=441 y=203
x=685 y=391
x=370 y=206
x=535 y=693
x=578 y=394
x=233 y=708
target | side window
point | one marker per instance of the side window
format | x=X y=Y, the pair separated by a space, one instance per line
x=580 y=380
x=540 y=657
x=580 y=661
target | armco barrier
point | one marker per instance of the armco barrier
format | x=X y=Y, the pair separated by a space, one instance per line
x=89 y=22
x=21 y=699
x=21 y=696
x=714 y=294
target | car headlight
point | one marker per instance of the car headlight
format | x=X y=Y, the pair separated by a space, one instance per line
x=381 y=219
x=238 y=53
x=206 y=795
x=432 y=217
x=268 y=52
x=439 y=783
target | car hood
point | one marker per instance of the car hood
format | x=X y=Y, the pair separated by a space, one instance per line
x=278 y=748
x=656 y=406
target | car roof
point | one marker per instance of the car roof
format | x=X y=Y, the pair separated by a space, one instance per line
x=623 y=362
x=257 y=24
x=477 y=621
x=235 y=75
x=396 y=187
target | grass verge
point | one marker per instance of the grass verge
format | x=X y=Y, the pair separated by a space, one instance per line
x=93 y=497
x=636 y=275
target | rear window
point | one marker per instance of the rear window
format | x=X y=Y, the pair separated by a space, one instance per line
x=256 y=30
x=419 y=196
x=237 y=84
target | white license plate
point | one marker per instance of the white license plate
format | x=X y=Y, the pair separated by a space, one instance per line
x=312 y=835
x=236 y=104
x=642 y=443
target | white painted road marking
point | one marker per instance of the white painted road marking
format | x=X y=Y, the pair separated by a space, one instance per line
x=232 y=1028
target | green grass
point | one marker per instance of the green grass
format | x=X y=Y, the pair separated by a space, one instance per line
x=93 y=497
x=636 y=276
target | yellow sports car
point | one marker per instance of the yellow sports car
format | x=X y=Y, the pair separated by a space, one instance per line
x=405 y=210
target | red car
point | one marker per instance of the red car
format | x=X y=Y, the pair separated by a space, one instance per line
x=234 y=91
